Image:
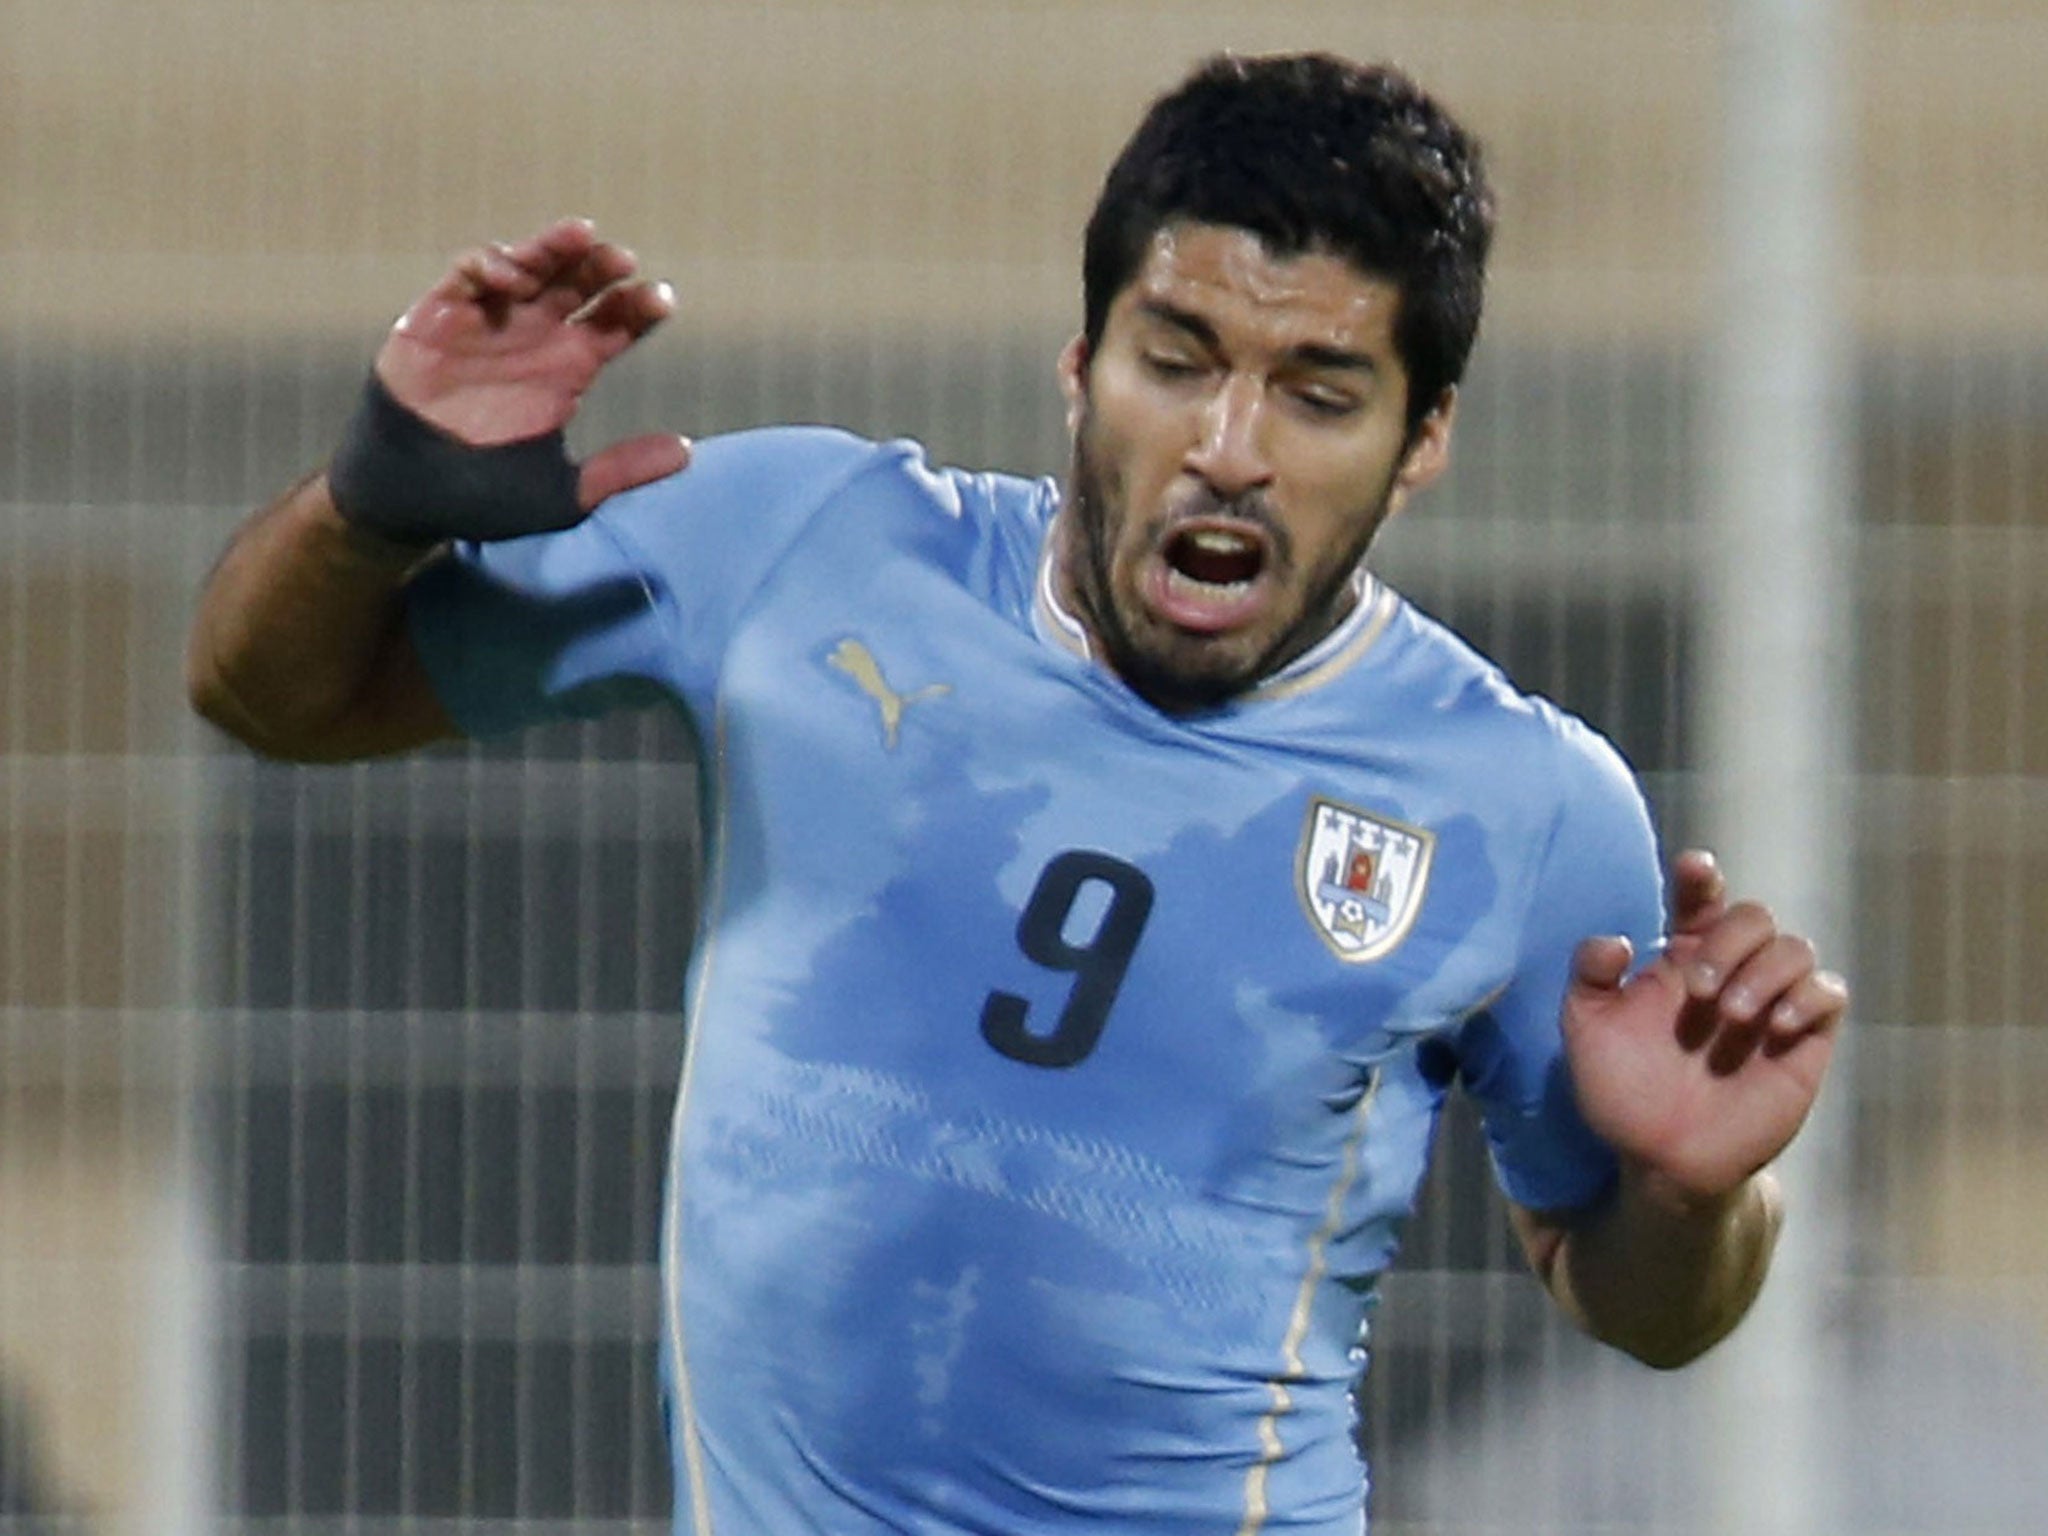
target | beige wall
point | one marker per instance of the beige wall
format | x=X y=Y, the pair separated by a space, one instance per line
x=199 y=166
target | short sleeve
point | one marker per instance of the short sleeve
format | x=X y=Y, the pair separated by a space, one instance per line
x=634 y=604
x=1599 y=873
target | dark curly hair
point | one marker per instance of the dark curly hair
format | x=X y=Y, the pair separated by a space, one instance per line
x=1311 y=153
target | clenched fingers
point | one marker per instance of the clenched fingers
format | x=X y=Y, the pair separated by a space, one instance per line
x=1751 y=987
x=1755 y=987
x=1817 y=1002
x=566 y=262
x=624 y=312
x=1721 y=948
x=487 y=273
x=570 y=259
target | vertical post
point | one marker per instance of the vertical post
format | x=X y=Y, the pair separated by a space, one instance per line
x=1776 y=616
x=187 y=1357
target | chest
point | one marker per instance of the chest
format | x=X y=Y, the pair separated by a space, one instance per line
x=926 y=809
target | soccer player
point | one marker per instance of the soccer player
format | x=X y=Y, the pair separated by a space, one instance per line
x=1107 y=882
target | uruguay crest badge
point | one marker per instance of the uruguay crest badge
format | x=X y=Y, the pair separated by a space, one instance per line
x=1361 y=878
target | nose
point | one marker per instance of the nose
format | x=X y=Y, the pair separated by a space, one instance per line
x=1229 y=452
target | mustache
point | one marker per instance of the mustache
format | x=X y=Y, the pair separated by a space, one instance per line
x=1204 y=501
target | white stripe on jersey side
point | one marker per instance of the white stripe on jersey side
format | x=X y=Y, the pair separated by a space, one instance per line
x=1292 y=1367
x=686 y=1405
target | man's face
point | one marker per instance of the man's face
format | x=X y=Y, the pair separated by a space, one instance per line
x=1239 y=436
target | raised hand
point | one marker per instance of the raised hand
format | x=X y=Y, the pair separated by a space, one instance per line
x=1702 y=1067
x=459 y=432
x=504 y=345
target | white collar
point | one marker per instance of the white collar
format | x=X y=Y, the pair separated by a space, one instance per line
x=1337 y=650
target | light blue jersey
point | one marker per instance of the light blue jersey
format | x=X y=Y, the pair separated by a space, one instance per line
x=1059 y=1073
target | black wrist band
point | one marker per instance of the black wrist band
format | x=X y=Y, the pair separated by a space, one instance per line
x=399 y=476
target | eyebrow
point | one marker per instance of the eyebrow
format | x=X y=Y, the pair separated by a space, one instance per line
x=1313 y=354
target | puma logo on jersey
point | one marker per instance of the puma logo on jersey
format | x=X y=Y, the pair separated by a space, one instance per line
x=858 y=663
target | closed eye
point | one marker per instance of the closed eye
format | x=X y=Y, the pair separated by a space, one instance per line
x=1327 y=403
x=1171 y=365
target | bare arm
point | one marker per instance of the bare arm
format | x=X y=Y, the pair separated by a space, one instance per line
x=300 y=647
x=1661 y=1277
x=1698 y=1070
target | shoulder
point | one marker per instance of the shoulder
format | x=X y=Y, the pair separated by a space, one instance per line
x=1551 y=784
x=1444 y=676
x=776 y=479
x=1599 y=860
x=1591 y=770
x=755 y=470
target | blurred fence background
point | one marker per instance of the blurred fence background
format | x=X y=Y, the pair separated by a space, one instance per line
x=332 y=1102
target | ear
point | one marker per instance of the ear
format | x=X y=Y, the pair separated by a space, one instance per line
x=1073 y=371
x=1428 y=455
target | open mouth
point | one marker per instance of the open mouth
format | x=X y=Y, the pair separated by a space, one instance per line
x=1216 y=555
x=1209 y=574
